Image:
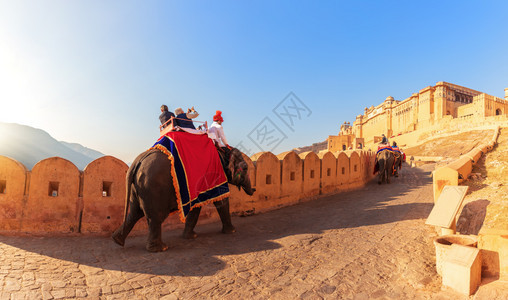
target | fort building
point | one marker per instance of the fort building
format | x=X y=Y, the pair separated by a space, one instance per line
x=430 y=106
x=346 y=139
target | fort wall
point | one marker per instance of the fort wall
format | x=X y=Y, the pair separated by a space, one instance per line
x=56 y=198
x=328 y=177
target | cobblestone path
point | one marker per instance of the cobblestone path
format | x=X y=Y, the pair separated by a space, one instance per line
x=367 y=244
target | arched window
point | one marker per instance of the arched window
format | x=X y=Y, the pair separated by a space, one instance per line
x=498 y=112
x=344 y=147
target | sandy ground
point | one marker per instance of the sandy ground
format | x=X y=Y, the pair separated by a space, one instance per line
x=451 y=146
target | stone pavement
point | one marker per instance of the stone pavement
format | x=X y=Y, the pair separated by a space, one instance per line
x=367 y=244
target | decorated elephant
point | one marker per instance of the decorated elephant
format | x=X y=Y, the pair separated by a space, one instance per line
x=397 y=165
x=398 y=159
x=385 y=160
x=151 y=193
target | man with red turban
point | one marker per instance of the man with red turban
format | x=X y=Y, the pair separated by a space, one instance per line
x=217 y=130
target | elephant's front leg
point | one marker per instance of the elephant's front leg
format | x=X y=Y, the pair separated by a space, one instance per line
x=190 y=223
x=223 y=210
x=155 y=243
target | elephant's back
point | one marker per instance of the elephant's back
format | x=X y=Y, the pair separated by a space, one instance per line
x=153 y=164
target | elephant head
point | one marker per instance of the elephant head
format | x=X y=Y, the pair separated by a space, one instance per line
x=238 y=169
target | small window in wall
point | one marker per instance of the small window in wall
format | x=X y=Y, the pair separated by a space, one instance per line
x=106 y=188
x=355 y=168
x=344 y=147
x=498 y=112
x=268 y=179
x=343 y=170
x=311 y=173
x=292 y=176
x=3 y=186
x=328 y=172
x=53 y=188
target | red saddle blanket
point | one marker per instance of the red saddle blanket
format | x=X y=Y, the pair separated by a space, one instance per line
x=198 y=176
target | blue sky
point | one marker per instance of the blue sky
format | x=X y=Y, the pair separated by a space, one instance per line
x=96 y=72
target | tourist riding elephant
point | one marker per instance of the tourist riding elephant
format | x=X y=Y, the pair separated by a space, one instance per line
x=150 y=193
x=385 y=161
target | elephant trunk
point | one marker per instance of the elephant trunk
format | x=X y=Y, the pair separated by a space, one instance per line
x=247 y=187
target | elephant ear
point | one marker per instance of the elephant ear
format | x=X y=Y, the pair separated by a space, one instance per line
x=232 y=160
x=235 y=158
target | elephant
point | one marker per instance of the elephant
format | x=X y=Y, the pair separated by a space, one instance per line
x=150 y=193
x=397 y=165
x=385 y=161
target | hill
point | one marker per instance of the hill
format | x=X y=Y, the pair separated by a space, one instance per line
x=30 y=145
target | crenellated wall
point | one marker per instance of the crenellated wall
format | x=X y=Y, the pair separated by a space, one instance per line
x=12 y=193
x=56 y=198
x=53 y=202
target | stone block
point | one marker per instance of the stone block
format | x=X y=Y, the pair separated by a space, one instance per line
x=443 y=245
x=462 y=269
x=441 y=177
x=445 y=210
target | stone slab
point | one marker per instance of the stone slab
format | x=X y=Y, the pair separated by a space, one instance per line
x=447 y=205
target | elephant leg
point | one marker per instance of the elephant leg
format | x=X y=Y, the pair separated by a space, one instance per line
x=223 y=210
x=155 y=243
x=190 y=223
x=135 y=213
x=388 y=174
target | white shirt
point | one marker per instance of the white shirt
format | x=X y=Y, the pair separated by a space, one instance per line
x=217 y=130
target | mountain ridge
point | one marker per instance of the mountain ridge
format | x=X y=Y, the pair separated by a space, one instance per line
x=29 y=145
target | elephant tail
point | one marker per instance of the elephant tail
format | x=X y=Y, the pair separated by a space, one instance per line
x=129 y=180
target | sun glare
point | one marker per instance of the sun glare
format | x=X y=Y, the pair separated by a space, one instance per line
x=22 y=87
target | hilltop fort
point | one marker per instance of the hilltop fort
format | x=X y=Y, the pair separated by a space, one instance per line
x=432 y=107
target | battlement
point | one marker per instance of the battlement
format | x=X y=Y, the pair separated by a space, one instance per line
x=56 y=198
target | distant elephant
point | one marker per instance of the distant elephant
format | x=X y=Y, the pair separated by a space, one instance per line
x=385 y=160
x=397 y=165
x=150 y=193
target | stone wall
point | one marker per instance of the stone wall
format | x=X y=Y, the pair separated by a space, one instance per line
x=56 y=198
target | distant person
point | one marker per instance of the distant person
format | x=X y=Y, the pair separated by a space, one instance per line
x=165 y=116
x=384 y=140
x=383 y=145
x=395 y=147
x=183 y=119
x=218 y=131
